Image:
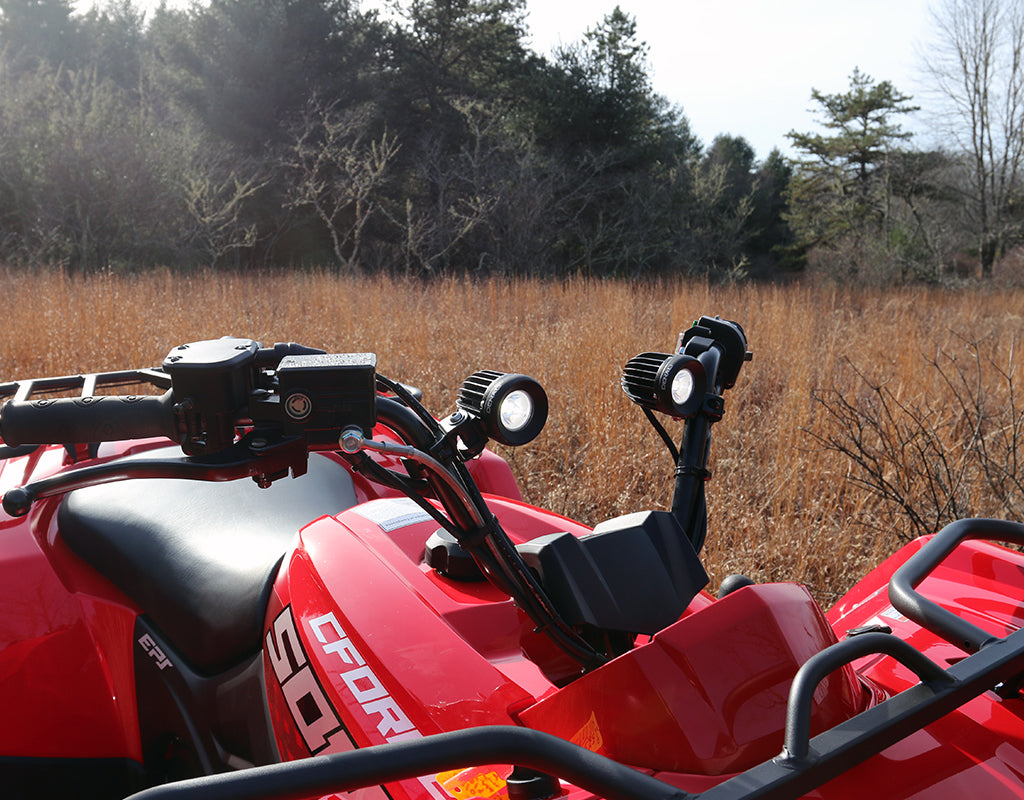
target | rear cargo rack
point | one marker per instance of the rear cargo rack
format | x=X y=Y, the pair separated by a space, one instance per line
x=86 y=385
x=805 y=762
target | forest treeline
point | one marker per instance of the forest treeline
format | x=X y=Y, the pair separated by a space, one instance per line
x=433 y=140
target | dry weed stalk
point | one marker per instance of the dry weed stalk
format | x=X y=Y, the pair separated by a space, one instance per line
x=932 y=459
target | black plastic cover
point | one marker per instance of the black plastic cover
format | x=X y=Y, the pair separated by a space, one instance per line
x=635 y=573
x=211 y=381
x=444 y=553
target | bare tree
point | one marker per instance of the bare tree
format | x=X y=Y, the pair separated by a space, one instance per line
x=340 y=168
x=977 y=64
x=465 y=178
x=216 y=189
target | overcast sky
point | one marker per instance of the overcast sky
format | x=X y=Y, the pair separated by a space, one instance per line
x=747 y=67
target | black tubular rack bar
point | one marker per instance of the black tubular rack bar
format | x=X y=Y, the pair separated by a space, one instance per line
x=86 y=384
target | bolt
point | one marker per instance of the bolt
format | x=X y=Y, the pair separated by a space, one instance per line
x=351 y=440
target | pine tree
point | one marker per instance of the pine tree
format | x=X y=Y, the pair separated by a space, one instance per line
x=34 y=33
x=840 y=185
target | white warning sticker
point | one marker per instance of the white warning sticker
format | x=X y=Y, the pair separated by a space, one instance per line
x=392 y=513
x=892 y=613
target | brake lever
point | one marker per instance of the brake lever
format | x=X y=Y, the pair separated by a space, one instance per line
x=252 y=456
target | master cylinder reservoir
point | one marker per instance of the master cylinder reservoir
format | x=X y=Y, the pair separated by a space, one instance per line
x=323 y=394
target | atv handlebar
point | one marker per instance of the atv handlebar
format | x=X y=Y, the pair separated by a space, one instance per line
x=212 y=388
x=238 y=409
x=86 y=419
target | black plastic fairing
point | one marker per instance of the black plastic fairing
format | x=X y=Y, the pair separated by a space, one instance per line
x=192 y=724
x=635 y=573
x=26 y=778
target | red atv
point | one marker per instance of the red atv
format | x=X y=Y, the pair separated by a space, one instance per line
x=378 y=596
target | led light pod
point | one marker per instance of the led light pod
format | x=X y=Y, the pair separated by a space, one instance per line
x=513 y=408
x=671 y=384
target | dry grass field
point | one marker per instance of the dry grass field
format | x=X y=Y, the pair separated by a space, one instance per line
x=781 y=505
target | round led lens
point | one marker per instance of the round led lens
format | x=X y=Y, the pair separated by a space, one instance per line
x=682 y=387
x=516 y=410
x=511 y=408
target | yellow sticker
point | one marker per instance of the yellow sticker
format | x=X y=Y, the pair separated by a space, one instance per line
x=480 y=782
x=589 y=736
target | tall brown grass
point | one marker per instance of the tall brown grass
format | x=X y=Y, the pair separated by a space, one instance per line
x=780 y=506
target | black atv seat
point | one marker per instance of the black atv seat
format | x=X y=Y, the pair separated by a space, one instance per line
x=200 y=558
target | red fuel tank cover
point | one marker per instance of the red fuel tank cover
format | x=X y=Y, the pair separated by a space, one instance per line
x=708 y=694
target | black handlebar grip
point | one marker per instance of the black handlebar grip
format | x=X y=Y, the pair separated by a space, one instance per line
x=82 y=420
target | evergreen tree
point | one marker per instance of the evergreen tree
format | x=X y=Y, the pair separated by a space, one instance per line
x=734 y=158
x=35 y=33
x=626 y=154
x=446 y=49
x=771 y=234
x=249 y=67
x=599 y=96
x=840 y=185
x=452 y=92
x=113 y=43
x=747 y=205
